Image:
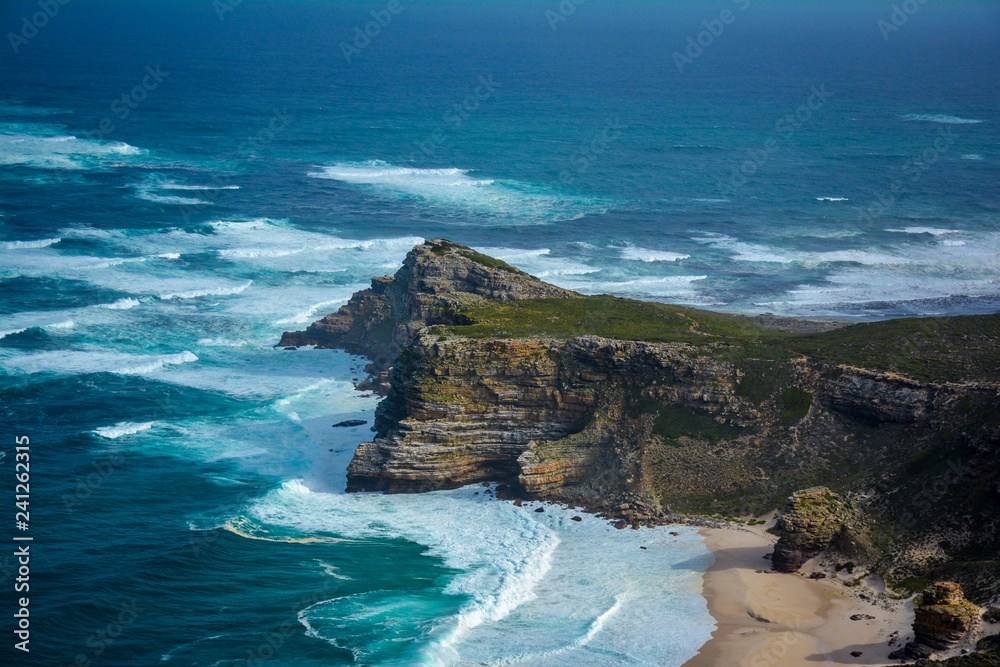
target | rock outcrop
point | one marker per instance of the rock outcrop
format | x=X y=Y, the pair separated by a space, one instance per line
x=942 y=620
x=811 y=522
x=379 y=321
x=491 y=374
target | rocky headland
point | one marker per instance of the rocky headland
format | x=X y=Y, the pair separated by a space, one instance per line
x=647 y=411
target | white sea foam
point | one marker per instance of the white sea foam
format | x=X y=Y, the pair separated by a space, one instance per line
x=310 y=315
x=222 y=290
x=42 y=146
x=934 y=231
x=946 y=119
x=635 y=254
x=975 y=157
x=511 y=201
x=122 y=428
x=152 y=188
x=832 y=199
x=94 y=360
x=54 y=321
x=542 y=263
x=120 y=304
x=41 y=243
x=521 y=570
x=151 y=196
x=221 y=342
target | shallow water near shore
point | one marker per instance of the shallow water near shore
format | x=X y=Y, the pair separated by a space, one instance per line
x=187 y=472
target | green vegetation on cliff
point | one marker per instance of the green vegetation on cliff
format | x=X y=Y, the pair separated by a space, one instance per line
x=948 y=349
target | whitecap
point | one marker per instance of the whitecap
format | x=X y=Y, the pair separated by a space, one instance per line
x=94 y=360
x=123 y=428
x=933 y=231
x=226 y=290
x=42 y=146
x=645 y=255
x=120 y=304
x=40 y=243
x=512 y=201
x=832 y=199
x=946 y=119
x=975 y=157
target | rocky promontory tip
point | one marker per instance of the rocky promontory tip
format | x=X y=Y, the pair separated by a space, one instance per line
x=426 y=290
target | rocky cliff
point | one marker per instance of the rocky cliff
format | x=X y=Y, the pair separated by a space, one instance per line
x=642 y=409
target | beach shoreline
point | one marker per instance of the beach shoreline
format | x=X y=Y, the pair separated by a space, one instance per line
x=767 y=618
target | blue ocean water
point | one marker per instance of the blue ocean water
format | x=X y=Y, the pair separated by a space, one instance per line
x=180 y=182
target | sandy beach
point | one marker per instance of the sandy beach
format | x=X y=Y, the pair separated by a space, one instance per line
x=766 y=618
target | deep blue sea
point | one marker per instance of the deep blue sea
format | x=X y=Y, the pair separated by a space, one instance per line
x=180 y=182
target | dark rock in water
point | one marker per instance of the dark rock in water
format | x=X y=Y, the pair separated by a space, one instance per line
x=577 y=518
x=518 y=502
x=349 y=423
x=857 y=654
x=643 y=548
x=540 y=509
x=620 y=525
x=811 y=521
x=942 y=621
x=674 y=534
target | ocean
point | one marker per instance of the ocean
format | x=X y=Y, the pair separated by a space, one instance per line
x=182 y=181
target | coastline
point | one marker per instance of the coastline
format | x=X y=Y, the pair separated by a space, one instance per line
x=768 y=619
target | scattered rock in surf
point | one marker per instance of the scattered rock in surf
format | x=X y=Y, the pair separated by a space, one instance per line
x=350 y=423
x=620 y=525
x=540 y=509
x=577 y=518
x=643 y=548
x=674 y=534
x=517 y=502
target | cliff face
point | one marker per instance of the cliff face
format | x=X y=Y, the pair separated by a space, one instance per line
x=491 y=374
x=523 y=410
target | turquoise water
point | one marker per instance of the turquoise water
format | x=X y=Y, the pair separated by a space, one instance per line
x=187 y=487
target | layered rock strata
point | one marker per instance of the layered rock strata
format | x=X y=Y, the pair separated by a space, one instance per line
x=811 y=521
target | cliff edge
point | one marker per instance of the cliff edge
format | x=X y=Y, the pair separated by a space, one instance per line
x=643 y=409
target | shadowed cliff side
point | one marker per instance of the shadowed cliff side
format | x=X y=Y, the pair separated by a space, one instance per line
x=642 y=409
